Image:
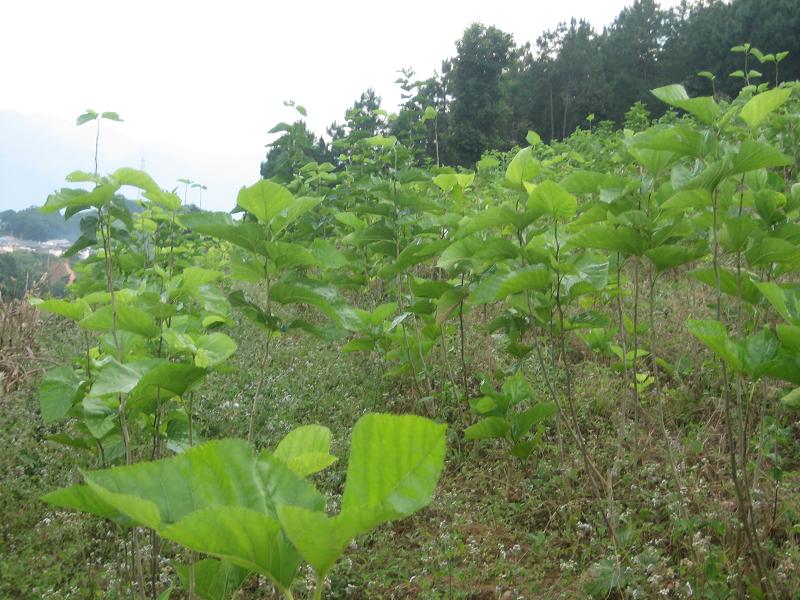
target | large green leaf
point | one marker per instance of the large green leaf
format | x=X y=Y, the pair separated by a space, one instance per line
x=264 y=200
x=75 y=311
x=395 y=462
x=213 y=349
x=714 y=335
x=604 y=236
x=294 y=211
x=761 y=106
x=213 y=579
x=530 y=278
x=785 y=302
x=755 y=155
x=219 y=473
x=704 y=108
x=729 y=284
x=492 y=217
x=550 y=199
x=670 y=142
x=695 y=198
x=117 y=378
x=522 y=169
x=81 y=497
x=59 y=390
x=241 y=536
x=448 y=303
x=164 y=381
x=670 y=256
x=128 y=318
x=249 y=236
x=79 y=199
x=771 y=250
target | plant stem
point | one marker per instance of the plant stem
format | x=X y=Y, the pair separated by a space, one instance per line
x=745 y=508
x=319 y=587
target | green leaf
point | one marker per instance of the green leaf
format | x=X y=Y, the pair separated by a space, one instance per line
x=531 y=278
x=459 y=252
x=213 y=349
x=755 y=155
x=604 y=236
x=537 y=413
x=488 y=429
x=69 y=198
x=213 y=579
x=783 y=301
x=792 y=399
x=350 y=219
x=128 y=318
x=759 y=107
x=671 y=256
x=249 y=236
x=448 y=303
x=289 y=215
x=380 y=141
x=60 y=389
x=319 y=539
x=728 y=283
x=492 y=217
x=549 y=198
x=89 y=115
x=760 y=353
x=771 y=250
x=415 y=253
x=82 y=498
x=241 y=536
x=72 y=310
x=433 y=289
x=322 y=297
x=194 y=277
x=219 y=473
x=704 y=108
x=714 y=335
x=164 y=380
x=135 y=178
x=306 y=450
x=395 y=462
x=264 y=200
x=789 y=335
x=522 y=169
x=116 y=378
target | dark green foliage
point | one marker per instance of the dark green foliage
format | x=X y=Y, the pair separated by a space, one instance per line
x=483 y=54
x=492 y=91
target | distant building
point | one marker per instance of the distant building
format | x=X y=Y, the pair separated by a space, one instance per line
x=10 y=244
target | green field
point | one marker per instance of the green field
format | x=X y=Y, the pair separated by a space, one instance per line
x=565 y=370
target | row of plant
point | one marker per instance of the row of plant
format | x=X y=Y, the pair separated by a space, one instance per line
x=556 y=246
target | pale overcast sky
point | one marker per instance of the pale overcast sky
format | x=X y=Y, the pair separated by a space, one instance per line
x=206 y=80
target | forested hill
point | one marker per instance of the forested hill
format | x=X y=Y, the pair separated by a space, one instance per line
x=31 y=224
x=495 y=88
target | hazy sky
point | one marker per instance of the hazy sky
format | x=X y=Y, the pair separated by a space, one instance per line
x=210 y=78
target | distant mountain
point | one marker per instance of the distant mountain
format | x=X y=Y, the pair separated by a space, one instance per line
x=37 y=152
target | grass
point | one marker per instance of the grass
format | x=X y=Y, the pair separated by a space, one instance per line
x=497 y=528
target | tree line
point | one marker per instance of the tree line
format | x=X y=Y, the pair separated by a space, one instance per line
x=493 y=91
x=31 y=224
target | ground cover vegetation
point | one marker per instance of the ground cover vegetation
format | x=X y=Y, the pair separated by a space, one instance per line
x=598 y=337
